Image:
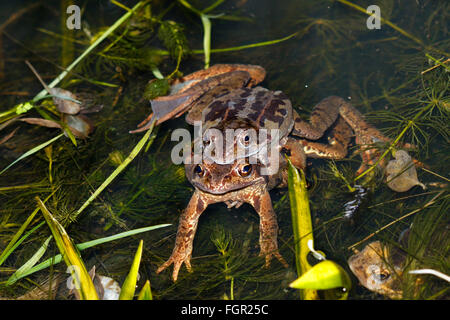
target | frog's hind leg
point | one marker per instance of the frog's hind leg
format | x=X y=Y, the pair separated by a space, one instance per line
x=323 y=116
x=366 y=136
x=338 y=141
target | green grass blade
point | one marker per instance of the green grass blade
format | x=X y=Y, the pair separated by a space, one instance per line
x=32 y=151
x=146 y=292
x=15 y=241
x=84 y=284
x=129 y=285
x=31 y=262
x=116 y=172
x=301 y=223
x=85 y=245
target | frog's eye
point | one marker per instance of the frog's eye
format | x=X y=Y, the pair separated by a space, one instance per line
x=382 y=276
x=199 y=170
x=245 y=170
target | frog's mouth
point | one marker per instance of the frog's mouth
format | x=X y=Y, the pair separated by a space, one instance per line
x=226 y=189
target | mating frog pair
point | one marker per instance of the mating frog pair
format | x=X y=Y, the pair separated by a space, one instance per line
x=224 y=97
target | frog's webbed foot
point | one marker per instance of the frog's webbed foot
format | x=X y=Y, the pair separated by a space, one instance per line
x=269 y=249
x=182 y=251
x=236 y=204
x=177 y=261
x=268 y=228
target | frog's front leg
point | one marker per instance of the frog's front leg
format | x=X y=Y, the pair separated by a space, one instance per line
x=268 y=226
x=187 y=227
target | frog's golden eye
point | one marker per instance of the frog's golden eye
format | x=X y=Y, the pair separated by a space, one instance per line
x=245 y=170
x=199 y=170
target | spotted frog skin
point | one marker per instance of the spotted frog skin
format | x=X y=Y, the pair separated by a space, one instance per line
x=223 y=97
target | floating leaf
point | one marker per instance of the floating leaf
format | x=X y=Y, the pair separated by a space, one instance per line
x=323 y=276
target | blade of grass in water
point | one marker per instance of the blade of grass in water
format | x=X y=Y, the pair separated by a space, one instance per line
x=15 y=241
x=84 y=285
x=31 y=262
x=301 y=223
x=32 y=151
x=82 y=246
x=129 y=285
x=118 y=170
x=146 y=292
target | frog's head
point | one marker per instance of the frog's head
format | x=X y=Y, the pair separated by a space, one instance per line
x=378 y=269
x=222 y=178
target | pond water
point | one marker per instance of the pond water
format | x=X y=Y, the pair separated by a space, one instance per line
x=391 y=74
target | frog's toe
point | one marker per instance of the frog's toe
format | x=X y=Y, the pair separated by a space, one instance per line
x=177 y=263
x=270 y=255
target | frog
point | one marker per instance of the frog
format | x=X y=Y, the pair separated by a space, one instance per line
x=379 y=268
x=227 y=96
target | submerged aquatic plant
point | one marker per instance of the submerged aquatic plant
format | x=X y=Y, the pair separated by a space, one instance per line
x=401 y=84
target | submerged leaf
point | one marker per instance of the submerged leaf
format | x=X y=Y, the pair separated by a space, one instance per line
x=401 y=174
x=66 y=102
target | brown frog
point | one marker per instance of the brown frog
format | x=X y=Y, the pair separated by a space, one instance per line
x=379 y=268
x=223 y=97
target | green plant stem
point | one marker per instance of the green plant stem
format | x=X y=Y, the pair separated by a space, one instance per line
x=301 y=224
x=206 y=38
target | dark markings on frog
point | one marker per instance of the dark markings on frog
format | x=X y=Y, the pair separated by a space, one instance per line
x=217 y=109
x=271 y=112
x=246 y=92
